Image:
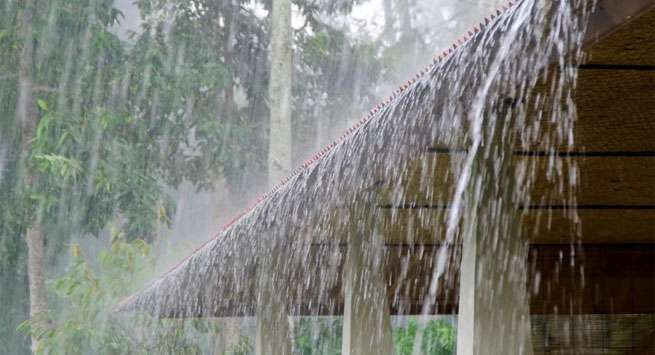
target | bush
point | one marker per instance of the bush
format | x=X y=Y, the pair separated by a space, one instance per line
x=438 y=338
x=83 y=320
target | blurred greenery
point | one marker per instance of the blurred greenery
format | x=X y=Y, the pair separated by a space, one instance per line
x=438 y=338
x=317 y=335
x=85 y=322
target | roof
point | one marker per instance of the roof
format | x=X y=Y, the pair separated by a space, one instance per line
x=375 y=166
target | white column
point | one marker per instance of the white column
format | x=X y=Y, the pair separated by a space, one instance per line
x=494 y=310
x=366 y=318
x=274 y=334
x=494 y=313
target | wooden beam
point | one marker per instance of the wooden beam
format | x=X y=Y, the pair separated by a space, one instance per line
x=588 y=279
x=614 y=107
x=598 y=224
x=646 y=344
x=633 y=43
x=603 y=180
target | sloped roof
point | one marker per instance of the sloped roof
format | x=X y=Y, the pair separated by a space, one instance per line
x=306 y=209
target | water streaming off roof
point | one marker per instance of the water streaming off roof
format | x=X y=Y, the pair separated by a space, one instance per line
x=461 y=177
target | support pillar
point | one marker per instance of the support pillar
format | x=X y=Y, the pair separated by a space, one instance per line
x=366 y=317
x=494 y=313
x=494 y=310
x=274 y=333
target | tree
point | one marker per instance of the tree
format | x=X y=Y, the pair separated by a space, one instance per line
x=86 y=295
x=26 y=112
x=279 y=93
x=104 y=141
x=336 y=74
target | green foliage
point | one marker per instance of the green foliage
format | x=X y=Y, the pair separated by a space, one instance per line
x=242 y=347
x=438 y=338
x=316 y=335
x=117 y=174
x=85 y=321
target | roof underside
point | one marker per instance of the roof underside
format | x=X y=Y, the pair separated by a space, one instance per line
x=614 y=150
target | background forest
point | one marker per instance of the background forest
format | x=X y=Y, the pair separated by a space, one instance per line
x=130 y=130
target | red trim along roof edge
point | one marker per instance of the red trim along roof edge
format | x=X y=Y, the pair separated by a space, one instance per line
x=437 y=59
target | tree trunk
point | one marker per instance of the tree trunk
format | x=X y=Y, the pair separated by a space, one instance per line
x=279 y=148
x=231 y=18
x=273 y=330
x=405 y=16
x=36 y=273
x=388 y=19
x=28 y=116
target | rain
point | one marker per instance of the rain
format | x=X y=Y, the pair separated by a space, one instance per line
x=327 y=177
